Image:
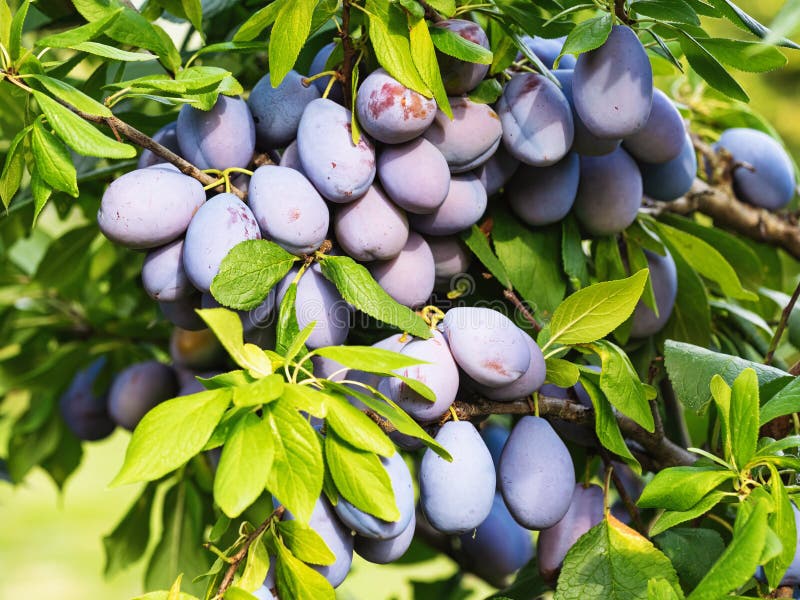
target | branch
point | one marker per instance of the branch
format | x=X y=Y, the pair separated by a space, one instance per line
x=787 y=311
x=349 y=53
x=514 y=299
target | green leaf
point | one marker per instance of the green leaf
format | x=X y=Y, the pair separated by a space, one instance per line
x=236 y=593
x=741 y=557
x=356 y=428
x=744 y=21
x=163 y=595
x=368 y=358
x=361 y=478
x=572 y=254
x=691 y=369
x=722 y=399
x=297 y=580
x=170 y=434
x=5 y=23
x=691 y=315
x=782 y=521
x=15 y=37
x=113 y=53
x=53 y=162
x=292 y=26
x=708 y=67
x=621 y=385
x=128 y=542
x=306 y=399
x=357 y=286
x=244 y=465
x=669 y=11
x=587 y=35
x=562 y=373
x=287 y=328
x=477 y=241
x=681 y=488
x=256 y=567
x=670 y=518
x=259 y=21
x=67 y=93
x=424 y=55
x=594 y=312
x=76 y=132
x=452 y=44
x=691 y=551
x=606 y=426
x=532 y=260
x=744 y=417
x=751 y=57
x=785 y=402
x=227 y=326
x=444 y=7
x=660 y=589
x=84 y=33
x=261 y=391
x=305 y=543
x=14 y=167
x=296 y=474
x=488 y=91
x=614 y=562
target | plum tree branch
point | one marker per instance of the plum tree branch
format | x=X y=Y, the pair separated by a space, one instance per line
x=348 y=53
x=776 y=338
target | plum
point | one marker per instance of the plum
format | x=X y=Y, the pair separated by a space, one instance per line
x=253 y=319
x=537 y=120
x=585 y=511
x=544 y=195
x=408 y=277
x=369 y=526
x=613 y=86
x=497 y=171
x=457 y=496
x=440 y=374
x=468 y=139
x=414 y=175
x=220 y=138
x=85 y=412
x=389 y=111
x=670 y=180
x=450 y=258
x=288 y=209
x=318 y=66
x=371 y=228
x=536 y=474
x=664 y=278
x=340 y=170
x=383 y=552
x=182 y=313
x=163 y=276
x=495 y=437
x=291 y=158
x=487 y=345
x=460 y=76
x=167 y=136
x=464 y=205
x=529 y=382
x=579 y=434
x=662 y=137
x=327 y=368
x=138 y=389
x=277 y=110
x=147 y=208
x=547 y=51
x=196 y=350
x=609 y=193
x=769 y=182
x=216 y=228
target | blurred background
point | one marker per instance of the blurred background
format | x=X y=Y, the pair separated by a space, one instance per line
x=51 y=542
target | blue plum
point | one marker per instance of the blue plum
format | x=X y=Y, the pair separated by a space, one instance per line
x=576 y=433
x=613 y=86
x=138 y=389
x=537 y=120
x=536 y=474
x=182 y=313
x=457 y=496
x=670 y=180
x=464 y=205
x=253 y=319
x=196 y=350
x=327 y=368
x=318 y=66
x=163 y=276
x=371 y=228
x=460 y=76
x=288 y=210
x=414 y=175
x=495 y=437
x=389 y=111
x=409 y=276
x=147 y=208
x=664 y=278
x=367 y=525
x=220 y=138
x=662 y=137
x=530 y=381
x=771 y=182
x=167 y=136
x=497 y=171
x=487 y=345
x=609 y=193
x=277 y=110
x=340 y=170
x=291 y=158
x=585 y=511
x=218 y=226
x=84 y=411
x=450 y=258
x=544 y=195
x=383 y=552
x=470 y=138
x=547 y=50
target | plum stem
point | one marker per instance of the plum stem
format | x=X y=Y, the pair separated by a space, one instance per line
x=776 y=338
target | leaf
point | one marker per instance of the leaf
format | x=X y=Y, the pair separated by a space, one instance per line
x=127 y=543
x=296 y=475
x=562 y=373
x=368 y=358
x=261 y=391
x=660 y=589
x=259 y=21
x=15 y=36
x=744 y=21
x=572 y=255
x=356 y=428
x=76 y=132
x=113 y=53
x=5 y=23
x=722 y=399
x=751 y=57
x=305 y=543
x=488 y=91
x=357 y=287
x=587 y=35
x=476 y=241
x=785 y=402
x=444 y=7
x=691 y=551
x=306 y=399
x=691 y=315
x=297 y=580
x=227 y=326
x=67 y=93
x=669 y=11
x=292 y=26
x=244 y=465
x=614 y=562
x=740 y=559
x=256 y=566
x=595 y=311
x=14 y=167
x=621 y=385
x=84 y=33
x=361 y=478
x=287 y=328
x=606 y=426
x=452 y=44
x=681 y=488
x=708 y=67
x=53 y=162
x=670 y=518
x=170 y=434
x=744 y=417
x=424 y=55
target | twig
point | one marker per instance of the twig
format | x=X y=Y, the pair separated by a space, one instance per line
x=630 y=505
x=349 y=53
x=776 y=338
x=619 y=12
x=528 y=315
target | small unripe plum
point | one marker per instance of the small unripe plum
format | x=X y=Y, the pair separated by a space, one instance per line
x=613 y=86
x=389 y=111
x=536 y=474
x=182 y=313
x=450 y=258
x=530 y=381
x=664 y=278
x=487 y=345
x=371 y=228
x=662 y=137
x=163 y=276
x=460 y=76
x=457 y=496
x=497 y=171
x=544 y=195
x=288 y=210
x=536 y=119
x=383 y=552
x=464 y=205
x=167 y=136
x=414 y=175
x=670 y=180
x=408 y=277
x=220 y=138
x=196 y=350
x=147 y=208
x=138 y=389
x=84 y=411
x=277 y=110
